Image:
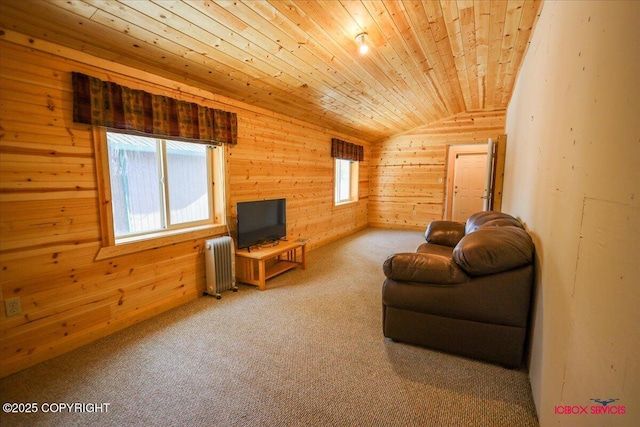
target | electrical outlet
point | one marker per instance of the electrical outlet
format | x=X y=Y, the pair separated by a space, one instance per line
x=12 y=306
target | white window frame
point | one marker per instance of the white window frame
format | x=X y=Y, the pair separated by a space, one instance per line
x=354 y=169
x=112 y=246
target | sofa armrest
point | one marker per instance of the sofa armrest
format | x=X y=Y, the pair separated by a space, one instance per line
x=489 y=219
x=424 y=268
x=447 y=233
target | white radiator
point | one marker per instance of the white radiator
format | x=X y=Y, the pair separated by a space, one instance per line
x=220 y=264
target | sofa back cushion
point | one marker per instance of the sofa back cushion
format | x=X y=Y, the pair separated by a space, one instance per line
x=489 y=219
x=490 y=250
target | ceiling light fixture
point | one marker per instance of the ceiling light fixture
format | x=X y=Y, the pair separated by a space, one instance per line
x=361 y=40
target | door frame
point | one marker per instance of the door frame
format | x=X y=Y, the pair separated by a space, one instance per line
x=499 y=155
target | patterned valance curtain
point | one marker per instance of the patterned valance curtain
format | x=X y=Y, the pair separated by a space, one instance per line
x=346 y=150
x=111 y=105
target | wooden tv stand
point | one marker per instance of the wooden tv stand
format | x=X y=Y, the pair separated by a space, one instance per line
x=263 y=263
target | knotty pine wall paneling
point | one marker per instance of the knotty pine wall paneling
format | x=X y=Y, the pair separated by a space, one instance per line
x=49 y=217
x=408 y=171
x=275 y=159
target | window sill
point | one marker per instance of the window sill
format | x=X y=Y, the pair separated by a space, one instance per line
x=345 y=203
x=158 y=240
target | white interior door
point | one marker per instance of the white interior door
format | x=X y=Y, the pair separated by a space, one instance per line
x=468 y=185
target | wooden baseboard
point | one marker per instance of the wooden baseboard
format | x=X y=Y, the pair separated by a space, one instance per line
x=72 y=342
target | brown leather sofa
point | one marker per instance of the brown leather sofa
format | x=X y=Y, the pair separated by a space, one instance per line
x=466 y=291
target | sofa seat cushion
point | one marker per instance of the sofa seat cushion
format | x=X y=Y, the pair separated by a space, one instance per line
x=423 y=267
x=490 y=250
x=429 y=248
x=501 y=299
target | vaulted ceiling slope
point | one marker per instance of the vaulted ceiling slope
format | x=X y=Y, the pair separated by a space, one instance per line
x=428 y=60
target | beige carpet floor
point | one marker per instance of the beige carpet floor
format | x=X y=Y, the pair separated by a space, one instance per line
x=308 y=351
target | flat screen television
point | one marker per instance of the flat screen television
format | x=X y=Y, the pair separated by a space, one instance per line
x=261 y=221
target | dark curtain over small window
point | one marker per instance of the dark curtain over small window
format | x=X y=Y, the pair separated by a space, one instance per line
x=111 y=105
x=346 y=150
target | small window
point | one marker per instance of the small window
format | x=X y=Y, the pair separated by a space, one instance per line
x=346 y=181
x=154 y=188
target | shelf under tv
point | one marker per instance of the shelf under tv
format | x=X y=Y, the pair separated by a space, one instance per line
x=263 y=263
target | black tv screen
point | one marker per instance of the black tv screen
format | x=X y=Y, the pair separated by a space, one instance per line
x=261 y=221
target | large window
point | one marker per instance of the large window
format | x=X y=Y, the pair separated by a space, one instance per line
x=154 y=188
x=346 y=181
x=157 y=184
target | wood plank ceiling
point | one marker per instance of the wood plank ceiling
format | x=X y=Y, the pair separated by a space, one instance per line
x=428 y=60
